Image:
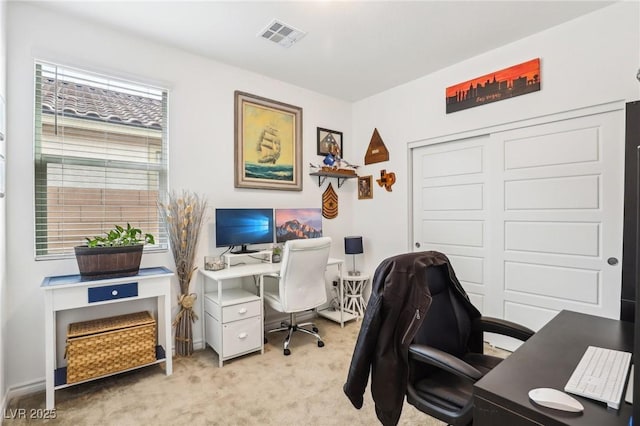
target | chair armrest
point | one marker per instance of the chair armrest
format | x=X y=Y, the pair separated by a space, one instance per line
x=504 y=327
x=444 y=361
x=271 y=282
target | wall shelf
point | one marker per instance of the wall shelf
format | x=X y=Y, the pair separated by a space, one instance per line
x=322 y=176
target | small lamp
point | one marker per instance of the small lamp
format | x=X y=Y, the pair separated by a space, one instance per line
x=353 y=246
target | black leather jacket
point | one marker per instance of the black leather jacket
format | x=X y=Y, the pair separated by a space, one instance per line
x=399 y=301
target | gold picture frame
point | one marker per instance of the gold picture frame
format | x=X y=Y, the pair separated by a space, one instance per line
x=268 y=143
x=365 y=187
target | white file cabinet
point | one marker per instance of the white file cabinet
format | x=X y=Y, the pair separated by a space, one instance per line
x=233 y=323
x=232 y=315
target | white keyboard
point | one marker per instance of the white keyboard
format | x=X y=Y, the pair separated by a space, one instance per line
x=600 y=375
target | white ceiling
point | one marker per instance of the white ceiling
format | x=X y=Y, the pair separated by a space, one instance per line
x=352 y=50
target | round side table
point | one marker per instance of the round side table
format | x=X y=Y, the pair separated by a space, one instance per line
x=353 y=298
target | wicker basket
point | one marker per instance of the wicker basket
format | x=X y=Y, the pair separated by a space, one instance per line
x=109 y=345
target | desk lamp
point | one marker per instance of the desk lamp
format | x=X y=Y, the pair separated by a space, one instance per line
x=353 y=246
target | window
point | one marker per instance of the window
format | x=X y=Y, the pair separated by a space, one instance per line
x=100 y=157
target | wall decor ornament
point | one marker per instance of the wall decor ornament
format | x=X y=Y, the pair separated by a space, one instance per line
x=268 y=143
x=365 y=189
x=376 y=151
x=330 y=203
x=499 y=85
x=329 y=142
x=386 y=179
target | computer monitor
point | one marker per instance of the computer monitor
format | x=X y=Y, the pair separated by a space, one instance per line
x=242 y=227
x=293 y=224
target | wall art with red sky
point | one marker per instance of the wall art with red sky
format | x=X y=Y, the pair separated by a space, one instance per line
x=499 y=85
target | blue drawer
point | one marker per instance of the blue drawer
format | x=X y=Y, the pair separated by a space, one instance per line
x=112 y=292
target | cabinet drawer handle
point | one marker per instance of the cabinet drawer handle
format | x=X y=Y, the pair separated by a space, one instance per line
x=242 y=311
x=114 y=292
x=242 y=335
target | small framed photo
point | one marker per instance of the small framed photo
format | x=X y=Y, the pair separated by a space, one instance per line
x=328 y=141
x=365 y=188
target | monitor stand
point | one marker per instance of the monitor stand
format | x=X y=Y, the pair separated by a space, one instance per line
x=243 y=250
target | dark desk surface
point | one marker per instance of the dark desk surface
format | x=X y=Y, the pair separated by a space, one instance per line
x=547 y=360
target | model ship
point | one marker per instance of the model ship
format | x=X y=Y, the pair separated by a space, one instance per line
x=269 y=146
x=336 y=170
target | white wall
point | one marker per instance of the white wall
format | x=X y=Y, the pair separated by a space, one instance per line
x=3 y=232
x=588 y=61
x=201 y=158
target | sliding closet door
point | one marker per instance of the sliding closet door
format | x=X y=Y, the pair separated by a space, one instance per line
x=560 y=216
x=531 y=217
x=451 y=208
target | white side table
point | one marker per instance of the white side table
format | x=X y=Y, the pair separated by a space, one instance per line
x=71 y=292
x=353 y=296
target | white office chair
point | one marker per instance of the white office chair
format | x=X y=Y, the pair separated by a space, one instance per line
x=301 y=284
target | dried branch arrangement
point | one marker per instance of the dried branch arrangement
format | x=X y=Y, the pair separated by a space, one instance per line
x=183 y=215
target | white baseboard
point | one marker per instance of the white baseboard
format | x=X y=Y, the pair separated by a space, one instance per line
x=5 y=401
x=24 y=389
x=198 y=344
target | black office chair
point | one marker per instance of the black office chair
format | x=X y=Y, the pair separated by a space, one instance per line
x=446 y=356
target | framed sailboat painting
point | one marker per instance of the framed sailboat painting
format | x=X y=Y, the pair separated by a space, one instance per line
x=268 y=143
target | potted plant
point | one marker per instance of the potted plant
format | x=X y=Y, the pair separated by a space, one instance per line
x=276 y=254
x=117 y=254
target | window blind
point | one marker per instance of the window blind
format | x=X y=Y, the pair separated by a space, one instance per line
x=100 y=158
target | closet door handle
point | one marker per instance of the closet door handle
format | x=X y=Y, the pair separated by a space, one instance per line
x=612 y=261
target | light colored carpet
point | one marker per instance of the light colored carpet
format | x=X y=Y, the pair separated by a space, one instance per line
x=304 y=388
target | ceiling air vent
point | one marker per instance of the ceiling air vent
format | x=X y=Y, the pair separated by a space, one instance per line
x=280 y=33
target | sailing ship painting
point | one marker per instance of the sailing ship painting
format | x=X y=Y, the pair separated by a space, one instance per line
x=266 y=165
x=272 y=151
x=268 y=144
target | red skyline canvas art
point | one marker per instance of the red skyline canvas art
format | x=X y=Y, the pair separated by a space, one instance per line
x=496 y=86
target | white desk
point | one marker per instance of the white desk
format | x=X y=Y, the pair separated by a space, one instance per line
x=232 y=317
x=70 y=292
